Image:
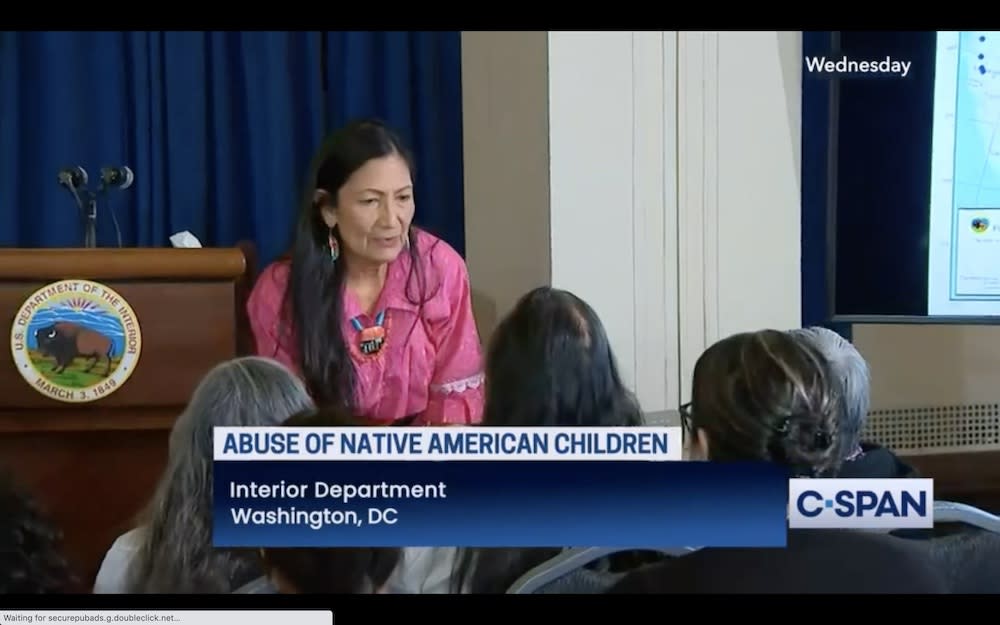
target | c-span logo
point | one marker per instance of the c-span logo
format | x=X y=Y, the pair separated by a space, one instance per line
x=861 y=503
x=76 y=341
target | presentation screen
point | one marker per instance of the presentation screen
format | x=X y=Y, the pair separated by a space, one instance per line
x=917 y=182
x=964 y=259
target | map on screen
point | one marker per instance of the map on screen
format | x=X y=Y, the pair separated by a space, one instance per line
x=964 y=245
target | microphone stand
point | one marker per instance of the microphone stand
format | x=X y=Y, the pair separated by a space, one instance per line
x=90 y=220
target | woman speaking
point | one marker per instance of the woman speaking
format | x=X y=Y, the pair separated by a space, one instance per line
x=375 y=314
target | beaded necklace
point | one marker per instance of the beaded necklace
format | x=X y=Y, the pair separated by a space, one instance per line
x=372 y=338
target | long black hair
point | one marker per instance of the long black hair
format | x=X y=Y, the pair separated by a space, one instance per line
x=31 y=546
x=550 y=363
x=314 y=304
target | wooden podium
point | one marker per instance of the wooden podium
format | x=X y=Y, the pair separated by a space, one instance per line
x=93 y=464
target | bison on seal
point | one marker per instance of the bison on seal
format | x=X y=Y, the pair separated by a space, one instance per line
x=64 y=341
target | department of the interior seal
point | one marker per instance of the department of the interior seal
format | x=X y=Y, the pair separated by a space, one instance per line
x=76 y=341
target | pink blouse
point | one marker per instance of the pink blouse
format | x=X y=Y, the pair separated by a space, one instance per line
x=430 y=364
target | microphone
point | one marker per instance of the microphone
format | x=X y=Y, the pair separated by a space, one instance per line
x=121 y=177
x=116 y=177
x=73 y=177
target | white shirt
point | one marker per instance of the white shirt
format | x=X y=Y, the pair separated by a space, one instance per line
x=424 y=571
x=112 y=577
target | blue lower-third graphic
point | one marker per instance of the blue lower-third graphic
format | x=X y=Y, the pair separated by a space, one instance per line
x=499 y=504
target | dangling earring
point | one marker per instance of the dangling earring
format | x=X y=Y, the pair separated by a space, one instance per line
x=334 y=247
x=406 y=240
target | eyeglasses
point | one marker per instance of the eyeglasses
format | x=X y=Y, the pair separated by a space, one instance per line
x=687 y=422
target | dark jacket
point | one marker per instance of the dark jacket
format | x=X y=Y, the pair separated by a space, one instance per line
x=815 y=561
x=876 y=461
x=969 y=561
x=260 y=586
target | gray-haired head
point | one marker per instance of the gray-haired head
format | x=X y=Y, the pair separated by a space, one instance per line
x=176 y=553
x=851 y=371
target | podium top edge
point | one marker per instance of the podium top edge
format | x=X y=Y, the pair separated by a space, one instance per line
x=147 y=263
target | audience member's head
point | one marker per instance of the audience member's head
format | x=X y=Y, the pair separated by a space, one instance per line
x=765 y=396
x=326 y=417
x=550 y=364
x=340 y=570
x=850 y=371
x=176 y=554
x=31 y=559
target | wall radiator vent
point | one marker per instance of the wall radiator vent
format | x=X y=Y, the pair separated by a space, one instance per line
x=936 y=429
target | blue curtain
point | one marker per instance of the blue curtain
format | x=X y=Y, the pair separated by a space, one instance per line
x=219 y=128
x=815 y=158
x=815 y=122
